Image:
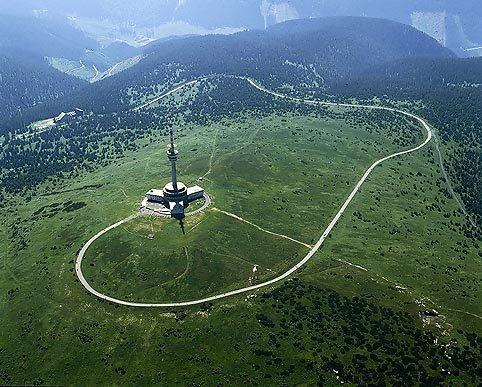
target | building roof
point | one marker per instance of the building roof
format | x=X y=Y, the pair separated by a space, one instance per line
x=194 y=189
x=60 y=116
x=156 y=192
x=180 y=186
x=72 y=114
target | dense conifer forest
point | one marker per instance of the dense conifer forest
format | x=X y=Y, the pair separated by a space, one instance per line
x=27 y=81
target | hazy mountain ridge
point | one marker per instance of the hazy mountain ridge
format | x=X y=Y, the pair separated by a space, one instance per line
x=316 y=52
x=42 y=37
x=66 y=48
x=108 y=20
x=93 y=40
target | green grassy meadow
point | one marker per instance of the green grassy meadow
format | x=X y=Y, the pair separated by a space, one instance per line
x=218 y=253
x=398 y=250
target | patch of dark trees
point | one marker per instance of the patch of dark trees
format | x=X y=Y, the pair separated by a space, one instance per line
x=26 y=82
x=361 y=342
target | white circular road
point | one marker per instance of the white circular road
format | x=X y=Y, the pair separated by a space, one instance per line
x=308 y=256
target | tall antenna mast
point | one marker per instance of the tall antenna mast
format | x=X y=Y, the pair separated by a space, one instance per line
x=171 y=135
x=175 y=197
x=172 y=156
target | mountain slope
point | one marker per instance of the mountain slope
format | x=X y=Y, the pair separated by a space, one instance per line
x=451 y=91
x=26 y=82
x=42 y=37
x=67 y=49
x=315 y=52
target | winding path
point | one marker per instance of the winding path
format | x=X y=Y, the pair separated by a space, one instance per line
x=449 y=184
x=313 y=249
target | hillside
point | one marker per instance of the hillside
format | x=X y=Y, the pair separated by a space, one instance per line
x=316 y=52
x=451 y=90
x=42 y=37
x=67 y=49
x=27 y=81
x=357 y=312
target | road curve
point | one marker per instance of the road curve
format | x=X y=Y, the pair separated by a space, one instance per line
x=308 y=256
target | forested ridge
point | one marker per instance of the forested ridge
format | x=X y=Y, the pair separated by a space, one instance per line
x=314 y=53
x=27 y=82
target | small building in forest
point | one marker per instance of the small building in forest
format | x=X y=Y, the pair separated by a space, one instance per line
x=67 y=117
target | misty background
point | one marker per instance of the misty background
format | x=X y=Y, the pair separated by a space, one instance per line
x=94 y=39
x=456 y=24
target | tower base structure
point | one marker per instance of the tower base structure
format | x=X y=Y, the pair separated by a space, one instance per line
x=172 y=201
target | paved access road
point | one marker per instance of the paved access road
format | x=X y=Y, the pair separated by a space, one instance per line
x=312 y=251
